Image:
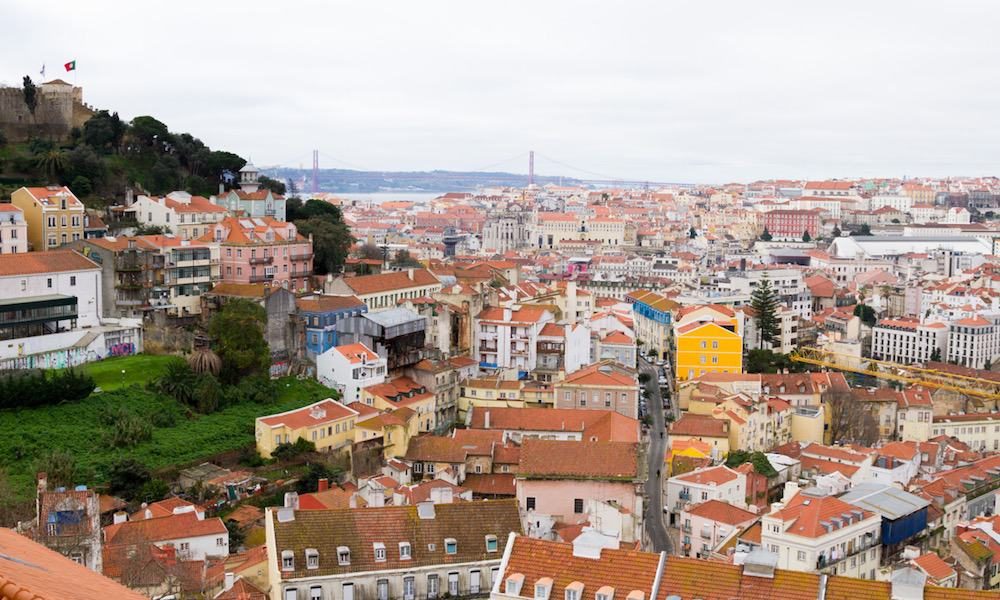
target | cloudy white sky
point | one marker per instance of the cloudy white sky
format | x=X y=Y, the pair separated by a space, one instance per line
x=662 y=90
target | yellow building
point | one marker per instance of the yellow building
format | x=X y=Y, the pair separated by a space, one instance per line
x=396 y=428
x=327 y=423
x=54 y=215
x=403 y=392
x=708 y=347
x=490 y=392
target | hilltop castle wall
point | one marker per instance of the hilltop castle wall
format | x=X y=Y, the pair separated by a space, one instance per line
x=60 y=109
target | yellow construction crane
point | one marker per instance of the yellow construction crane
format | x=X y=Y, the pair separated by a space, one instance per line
x=909 y=374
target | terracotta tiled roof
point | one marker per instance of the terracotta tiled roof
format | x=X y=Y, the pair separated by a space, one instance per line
x=807 y=513
x=932 y=564
x=603 y=374
x=435 y=448
x=691 y=424
x=241 y=290
x=555 y=459
x=36 y=263
x=625 y=570
x=30 y=571
x=163 y=529
x=242 y=590
x=494 y=484
x=606 y=425
x=468 y=523
x=384 y=282
x=324 y=411
x=356 y=353
x=717 y=475
x=324 y=303
x=43 y=194
x=723 y=512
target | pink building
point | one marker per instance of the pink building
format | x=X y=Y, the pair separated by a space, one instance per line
x=606 y=385
x=556 y=479
x=262 y=250
x=784 y=224
x=13 y=230
x=706 y=525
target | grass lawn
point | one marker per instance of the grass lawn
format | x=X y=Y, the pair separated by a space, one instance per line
x=139 y=369
x=77 y=428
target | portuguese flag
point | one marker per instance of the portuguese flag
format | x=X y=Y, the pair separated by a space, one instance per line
x=71 y=65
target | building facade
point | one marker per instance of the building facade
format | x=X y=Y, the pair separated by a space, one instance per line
x=55 y=216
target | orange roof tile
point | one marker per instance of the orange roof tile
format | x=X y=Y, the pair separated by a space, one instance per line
x=37 y=263
x=723 y=512
x=558 y=459
x=324 y=411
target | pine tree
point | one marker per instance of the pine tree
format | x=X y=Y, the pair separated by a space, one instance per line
x=766 y=236
x=836 y=232
x=806 y=237
x=692 y=233
x=764 y=301
x=936 y=355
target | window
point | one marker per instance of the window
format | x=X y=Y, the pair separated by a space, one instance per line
x=529 y=503
x=491 y=543
x=578 y=505
x=453 y=584
x=382 y=589
x=801 y=555
x=315 y=593
x=77 y=557
x=512 y=586
x=347 y=591
x=185 y=546
x=379 y=551
x=715 y=345
x=404 y=551
x=704 y=495
x=72 y=280
x=409 y=588
x=343 y=556
x=474 y=585
x=433 y=586
x=704 y=344
x=291 y=594
x=701 y=359
x=48 y=283
x=220 y=541
x=52 y=221
x=450 y=546
x=287 y=560
x=312 y=558
x=607 y=399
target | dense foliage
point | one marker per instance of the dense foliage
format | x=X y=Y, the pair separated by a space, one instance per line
x=768 y=361
x=332 y=238
x=43 y=388
x=866 y=314
x=757 y=459
x=237 y=333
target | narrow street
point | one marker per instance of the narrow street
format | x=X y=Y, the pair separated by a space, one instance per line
x=657 y=444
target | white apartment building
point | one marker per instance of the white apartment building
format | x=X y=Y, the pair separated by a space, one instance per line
x=908 y=341
x=787 y=283
x=974 y=342
x=350 y=368
x=706 y=525
x=981 y=431
x=701 y=485
x=186 y=216
x=507 y=338
x=897 y=202
x=13 y=230
x=814 y=532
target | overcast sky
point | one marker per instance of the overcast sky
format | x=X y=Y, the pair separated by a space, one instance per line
x=670 y=91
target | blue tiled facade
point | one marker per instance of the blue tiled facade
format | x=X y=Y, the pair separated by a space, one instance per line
x=321 y=327
x=660 y=316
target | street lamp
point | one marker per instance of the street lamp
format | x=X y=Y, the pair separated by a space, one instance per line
x=123 y=377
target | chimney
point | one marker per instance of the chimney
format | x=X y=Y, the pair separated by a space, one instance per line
x=292 y=500
x=760 y=563
x=120 y=517
x=324 y=485
x=486 y=419
x=43 y=482
x=230 y=580
x=409 y=273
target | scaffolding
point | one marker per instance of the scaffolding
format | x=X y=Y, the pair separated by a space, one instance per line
x=890 y=371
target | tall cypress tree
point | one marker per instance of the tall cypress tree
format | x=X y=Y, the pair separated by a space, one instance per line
x=764 y=301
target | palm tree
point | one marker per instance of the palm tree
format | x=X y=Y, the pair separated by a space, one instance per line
x=52 y=162
x=203 y=360
x=178 y=382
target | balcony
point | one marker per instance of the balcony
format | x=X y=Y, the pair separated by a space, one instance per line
x=261 y=260
x=685 y=496
x=823 y=563
x=487 y=347
x=686 y=528
x=261 y=278
x=302 y=256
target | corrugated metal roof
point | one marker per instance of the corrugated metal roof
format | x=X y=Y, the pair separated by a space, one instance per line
x=886 y=500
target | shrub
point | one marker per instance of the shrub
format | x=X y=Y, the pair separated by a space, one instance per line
x=153 y=491
x=126 y=478
x=39 y=388
x=128 y=429
x=287 y=450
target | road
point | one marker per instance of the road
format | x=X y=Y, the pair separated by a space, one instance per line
x=657 y=444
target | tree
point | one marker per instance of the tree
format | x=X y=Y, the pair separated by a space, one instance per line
x=236 y=535
x=332 y=242
x=403 y=259
x=895 y=221
x=863 y=230
x=60 y=467
x=836 y=232
x=148 y=130
x=126 y=478
x=30 y=93
x=218 y=162
x=764 y=301
x=237 y=332
x=52 y=163
x=866 y=313
x=276 y=187
x=209 y=394
x=850 y=421
x=147 y=229
x=936 y=355
x=104 y=131
x=692 y=233
x=766 y=235
x=370 y=252
x=806 y=237
x=768 y=361
x=309 y=481
x=178 y=381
